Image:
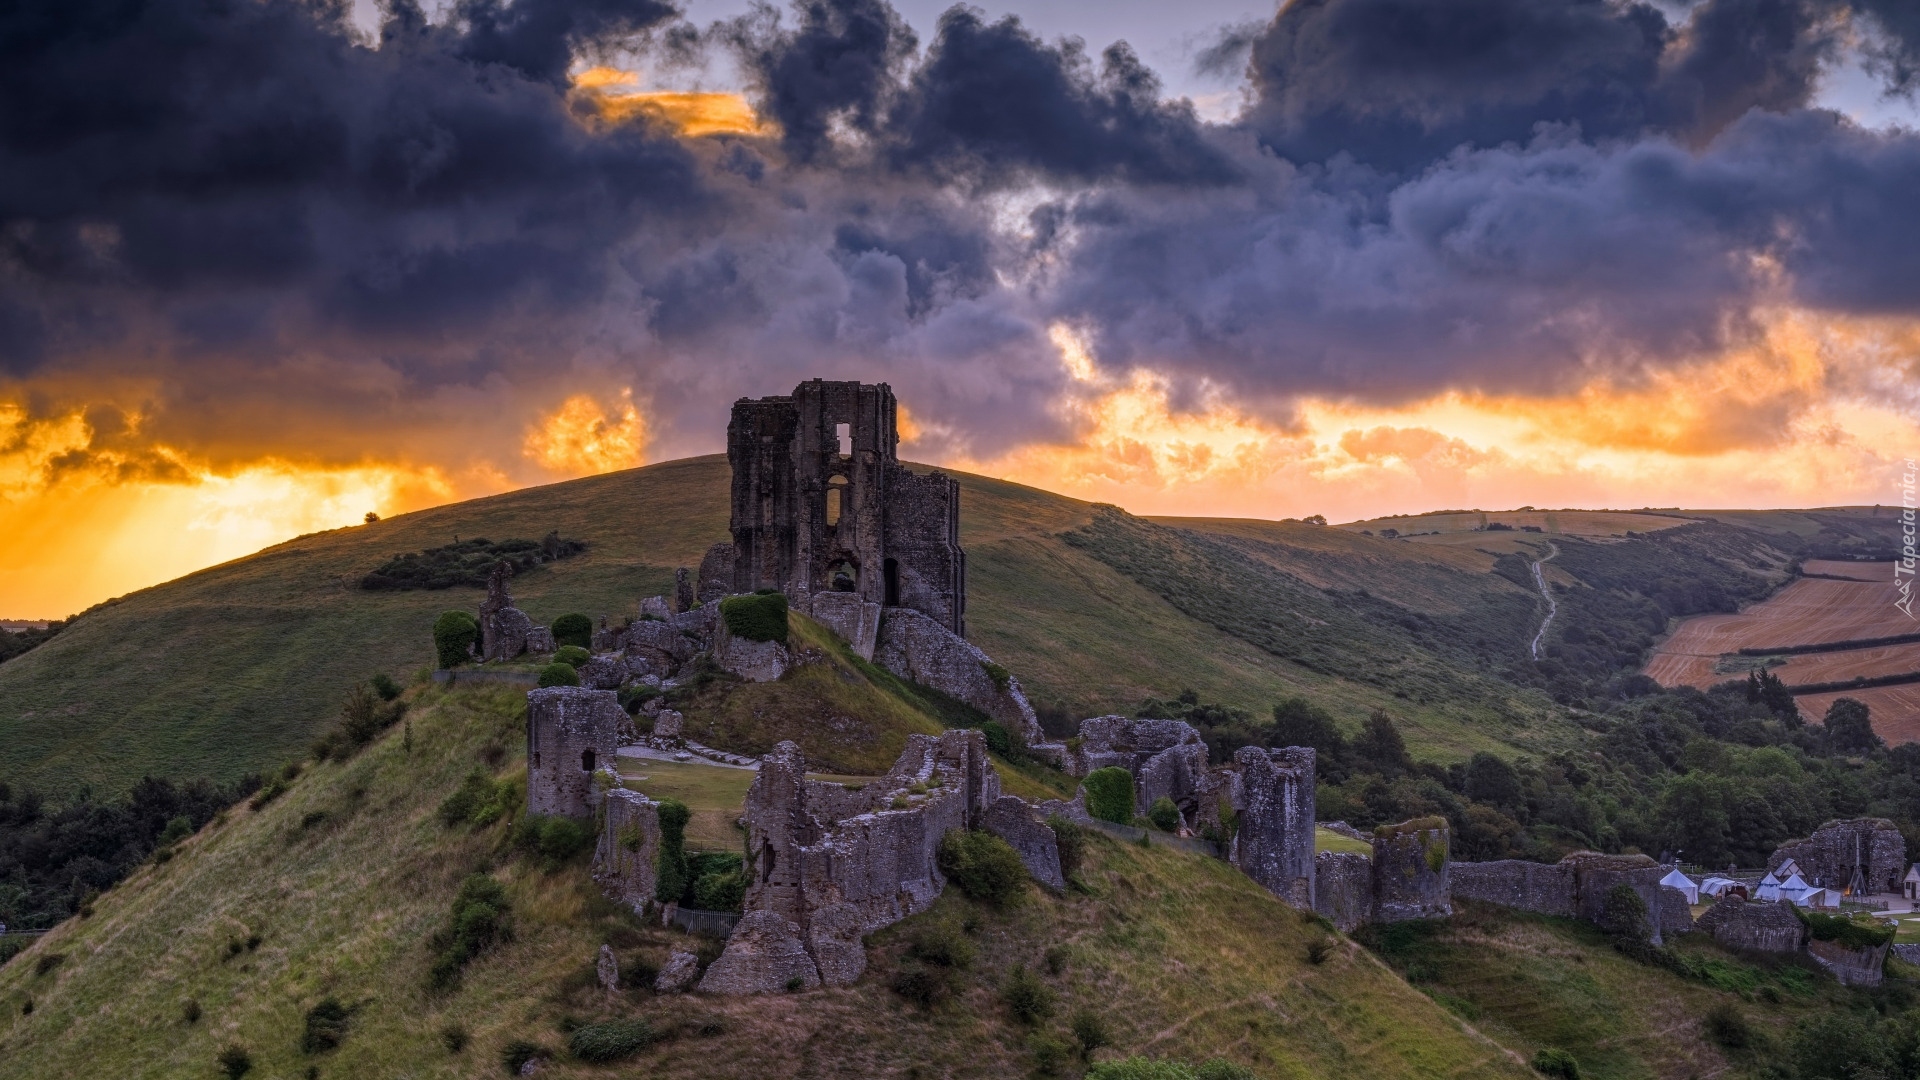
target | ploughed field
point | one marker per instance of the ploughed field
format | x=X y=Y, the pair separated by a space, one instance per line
x=1847 y=602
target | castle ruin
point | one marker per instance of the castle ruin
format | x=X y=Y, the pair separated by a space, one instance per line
x=822 y=505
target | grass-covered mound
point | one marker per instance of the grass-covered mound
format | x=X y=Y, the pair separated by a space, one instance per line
x=306 y=934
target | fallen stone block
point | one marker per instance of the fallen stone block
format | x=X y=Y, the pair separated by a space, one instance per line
x=764 y=955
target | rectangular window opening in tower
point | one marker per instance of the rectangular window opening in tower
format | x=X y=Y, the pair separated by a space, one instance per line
x=844 y=432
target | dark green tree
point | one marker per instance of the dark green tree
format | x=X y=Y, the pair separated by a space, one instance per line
x=1850 y=728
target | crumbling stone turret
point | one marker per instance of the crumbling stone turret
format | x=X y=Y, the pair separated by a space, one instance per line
x=626 y=859
x=1860 y=855
x=572 y=732
x=507 y=632
x=1410 y=864
x=1274 y=845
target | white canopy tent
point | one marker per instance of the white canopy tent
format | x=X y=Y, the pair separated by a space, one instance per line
x=1677 y=880
x=1716 y=886
x=1768 y=889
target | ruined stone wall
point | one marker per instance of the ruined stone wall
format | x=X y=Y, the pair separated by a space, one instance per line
x=838 y=864
x=571 y=732
x=1595 y=875
x=626 y=858
x=915 y=647
x=1828 y=857
x=1516 y=883
x=1343 y=888
x=1853 y=967
x=1410 y=864
x=715 y=577
x=1739 y=923
x=929 y=569
x=817 y=511
x=1274 y=844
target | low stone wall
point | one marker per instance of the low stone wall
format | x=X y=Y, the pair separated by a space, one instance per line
x=1343 y=888
x=844 y=613
x=1738 y=923
x=1516 y=883
x=1853 y=967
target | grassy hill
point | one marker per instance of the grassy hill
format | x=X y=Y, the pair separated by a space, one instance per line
x=233 y=668
x=336 y=889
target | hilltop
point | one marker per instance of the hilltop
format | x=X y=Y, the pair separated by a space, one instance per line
x=234 y=668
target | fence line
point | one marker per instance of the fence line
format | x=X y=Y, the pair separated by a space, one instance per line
x=716 y=924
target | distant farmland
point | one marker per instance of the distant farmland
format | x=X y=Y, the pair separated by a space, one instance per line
x=1844 y=602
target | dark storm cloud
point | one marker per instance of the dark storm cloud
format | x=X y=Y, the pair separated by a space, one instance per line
x=242 y=203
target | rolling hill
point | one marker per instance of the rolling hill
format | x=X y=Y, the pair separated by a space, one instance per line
x=233 y=668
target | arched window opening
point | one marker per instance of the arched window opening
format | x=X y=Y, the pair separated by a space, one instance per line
x=890 y=577
x=586 y=760
x=836 y=499
x=843 y=576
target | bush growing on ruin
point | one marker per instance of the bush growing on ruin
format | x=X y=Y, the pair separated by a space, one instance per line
x=558 y=674
x=1164 y=815
x=455 y=633
x=759 y=617
x=999 y=739
x=985 y=867
x=572 y=655
x=1026 y=997
x=574 y=629
x=1110 y=794
x=611 y=1040
x=1071 y=839
x=480 y=918
x=670 y=867
x=717 y=881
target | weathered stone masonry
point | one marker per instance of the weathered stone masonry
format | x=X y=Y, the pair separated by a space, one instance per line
x=571 y=733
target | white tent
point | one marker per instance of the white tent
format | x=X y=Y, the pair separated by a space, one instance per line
x=1716 y=886
x=1768 y=889
x=1677 y=880
x=1812 y=898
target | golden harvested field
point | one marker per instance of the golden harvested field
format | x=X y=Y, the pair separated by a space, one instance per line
x=1811 y=611
x=1895 y=709
x=1839 y=666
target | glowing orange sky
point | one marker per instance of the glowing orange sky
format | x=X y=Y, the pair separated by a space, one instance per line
x=1816 y=415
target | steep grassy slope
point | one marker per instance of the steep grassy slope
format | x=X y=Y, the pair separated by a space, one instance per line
x=1535 y=983
x=233 y=668
x=346 y=878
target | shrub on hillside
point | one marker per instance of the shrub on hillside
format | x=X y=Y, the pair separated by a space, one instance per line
x=985 y=867
x=363 y=715
x=1026 y=997
x=1728 y=1028
x=517 y=1053
x=1845 y=930
x=479 y=800
x=1164 y=815
x=553 y=839
x=455 y=633
x=1557 y=1063
x=480 y=918
x=467 y=562
x=573 y=628
x=234 y=1061
x=572 y=655
x=384 y=685
x=1090 y=1032
x=922 y=985
x=558 y=674
x=610 y=1040
x=942 y=944
x=671 y=873
x=759 y=617
x=1110 y=794
x=326 y=1026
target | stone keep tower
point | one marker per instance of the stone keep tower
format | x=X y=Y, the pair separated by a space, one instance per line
x=822 y=504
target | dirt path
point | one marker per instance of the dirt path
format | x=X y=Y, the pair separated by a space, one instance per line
x=1553 y=607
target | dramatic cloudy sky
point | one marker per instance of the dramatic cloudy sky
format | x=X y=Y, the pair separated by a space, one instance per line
x=266 y=265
